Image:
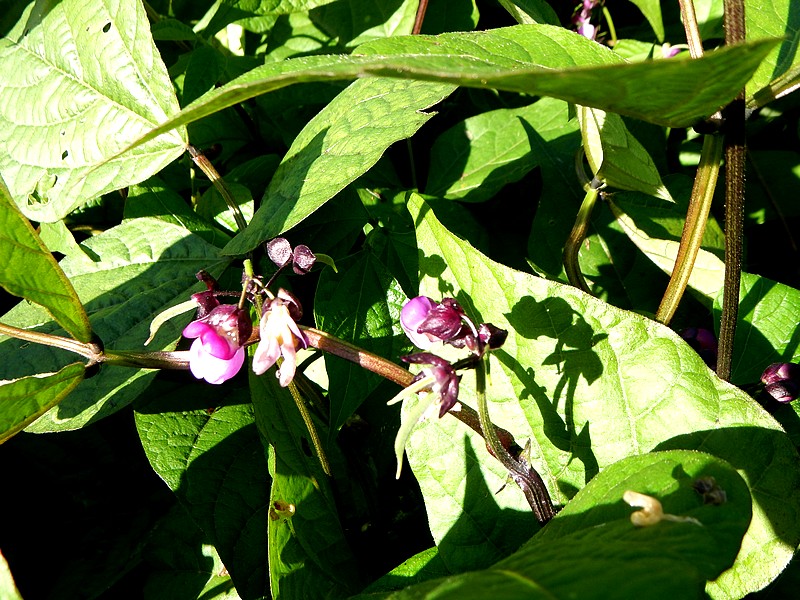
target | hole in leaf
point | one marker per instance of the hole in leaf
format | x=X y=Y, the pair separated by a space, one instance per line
x=106 y=27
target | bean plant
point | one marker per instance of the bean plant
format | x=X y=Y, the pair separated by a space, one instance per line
x=399 y=299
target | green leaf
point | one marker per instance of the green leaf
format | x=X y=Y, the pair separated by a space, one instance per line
x=766 y=329
x=8 y=589
x=25 y=400
x=78 y=83
x=353 y=22
x=651 y=9
x=476 y=158
x=360 y=304
x=592 y=550
x=591 y=384
x=644 y=223
x=207 y=450
x=137 y=270
x=30 y=271
x=528 y=12
x=342 y=142
x=308 y=554
x=775 y=19
x=616 y=157
x=532 y=59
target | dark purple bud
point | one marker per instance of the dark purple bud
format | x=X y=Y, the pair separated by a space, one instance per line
x=783 y=391
x=303 y=259
x=703 y=342
x=445 y=378
x=492 y=336
x=778 y=372
x=444 y=321
x=279 y=251
x=425 y=358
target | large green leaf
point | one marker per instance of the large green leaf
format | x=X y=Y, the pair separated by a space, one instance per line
x=591 y=384
x=8 y=588
x=475 y=158
x=24 y=400
x=136 y=270
x=308 y=554
x=592 y=550
x=30 y=271
x=651 y=9
x=533 y=59
x=206 y=448
x=775 y=19
x=360 y=304
x=341 y=143
x=79 y=81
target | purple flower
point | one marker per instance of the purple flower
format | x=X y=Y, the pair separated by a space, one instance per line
x=280 y=337
x=442 y=377
x=581 y=18
x=426 y=322
x=782 y=381
x=217 y=354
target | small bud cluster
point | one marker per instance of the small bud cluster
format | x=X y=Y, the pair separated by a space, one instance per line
x=220 y=331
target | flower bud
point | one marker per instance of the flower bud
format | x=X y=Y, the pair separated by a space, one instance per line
x=782 y=381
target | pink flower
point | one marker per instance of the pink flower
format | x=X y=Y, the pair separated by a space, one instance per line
x=217 y=354
x=280 y=337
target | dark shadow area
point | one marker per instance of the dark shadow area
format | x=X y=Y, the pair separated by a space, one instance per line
x=768 y=459
x=63 y=495
x=575 y=358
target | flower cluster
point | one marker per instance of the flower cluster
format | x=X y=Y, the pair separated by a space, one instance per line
x=782 y=381
x=221 y=331
x=581 y=19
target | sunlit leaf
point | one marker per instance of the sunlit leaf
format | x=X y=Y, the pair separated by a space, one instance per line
x=592 y=550
x=552 y=382
x=24 y=400
x=79 y=81
x=30 y=271
x=136 y=270
x=533 y=59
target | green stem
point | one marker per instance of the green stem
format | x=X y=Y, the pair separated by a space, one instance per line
x=528 y=479
x=694 y=227
x=576 y=237
x=206 y=167
x=689 y=19
x=312 y=429
x=91 y=351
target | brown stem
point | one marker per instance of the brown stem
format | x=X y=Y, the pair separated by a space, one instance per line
x=423 y=6
x=734 y=199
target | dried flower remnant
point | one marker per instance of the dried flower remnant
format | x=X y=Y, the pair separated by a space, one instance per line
x=711 y=492
x=651 y=511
